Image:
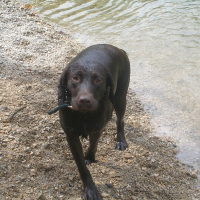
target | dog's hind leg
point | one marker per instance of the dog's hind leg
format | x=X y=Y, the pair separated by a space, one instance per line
x=120 y=108
x=121 y=143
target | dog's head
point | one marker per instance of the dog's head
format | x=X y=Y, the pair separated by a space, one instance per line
x=84 y=86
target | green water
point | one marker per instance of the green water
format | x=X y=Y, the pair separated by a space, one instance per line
x=162 y=39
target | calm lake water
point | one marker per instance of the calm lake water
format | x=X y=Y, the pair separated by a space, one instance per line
x=162 y=39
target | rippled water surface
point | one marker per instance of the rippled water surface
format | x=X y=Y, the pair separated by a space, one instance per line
x=162 y=39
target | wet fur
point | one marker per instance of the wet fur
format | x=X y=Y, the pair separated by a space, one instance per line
x=114 y=63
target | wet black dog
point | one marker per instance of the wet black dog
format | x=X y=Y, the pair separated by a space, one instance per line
x=94 y=83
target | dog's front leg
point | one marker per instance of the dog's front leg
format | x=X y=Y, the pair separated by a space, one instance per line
x=90 y=155
x=91 y=192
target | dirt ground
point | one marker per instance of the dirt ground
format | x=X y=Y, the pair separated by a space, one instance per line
x=35 y=160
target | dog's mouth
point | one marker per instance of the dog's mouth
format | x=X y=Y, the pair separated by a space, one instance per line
x=78 y=109
x=73 y=108
x=81 y=109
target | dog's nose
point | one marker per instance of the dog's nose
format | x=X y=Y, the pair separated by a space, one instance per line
x=84 y=100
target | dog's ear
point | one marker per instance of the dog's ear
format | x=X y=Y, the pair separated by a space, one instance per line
x=62 y=86
x=110 y=85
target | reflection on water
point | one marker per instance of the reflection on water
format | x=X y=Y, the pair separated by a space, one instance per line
x=162 y=39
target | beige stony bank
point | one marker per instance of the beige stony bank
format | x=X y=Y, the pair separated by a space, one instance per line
x=35 y=160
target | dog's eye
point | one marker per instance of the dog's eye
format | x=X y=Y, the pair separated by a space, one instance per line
x=98 y=80
x=75 y=78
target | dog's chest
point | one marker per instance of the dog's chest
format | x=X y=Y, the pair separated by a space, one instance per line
x=85 y=125
x=88 y=128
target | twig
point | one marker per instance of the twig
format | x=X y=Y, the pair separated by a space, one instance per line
x=57 y=108
x=13 y=114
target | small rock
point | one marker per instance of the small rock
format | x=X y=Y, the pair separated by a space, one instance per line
x=26 y=149
x=129 y=161
x=21 y=196
x=32 y=172
x=145 y=154
x=139 y=134
x=130 y=129
x=174 y=145
x=71 y=178
x=193 y=175
x=127 y=155
x=6 y=140
x=175 y=151
x=28 y=87
x=97 y=183
x=109 y=185
x=195 y=171
x=148 y=173
x=41 y=197
x=104 y=195
x=4 y=145
x=47 y=146
x=155 y=175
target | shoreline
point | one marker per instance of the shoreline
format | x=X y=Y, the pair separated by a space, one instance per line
x=36 y=162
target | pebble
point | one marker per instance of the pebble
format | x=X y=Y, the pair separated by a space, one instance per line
x=3 y=167
x=41 y=197
x=174 y=145
x=193 y=175
x=129 y=161
x=109 y=185
x=6 y=140
x=155 y=175
x=127 y=155
x=21 y=196
x=145 y=154
x=175 y=151
x=195 y=171
x=148 y=173
x=139 y=134
x=104 y=195
x=28 y=87
x=71 y=178
x=32 y=172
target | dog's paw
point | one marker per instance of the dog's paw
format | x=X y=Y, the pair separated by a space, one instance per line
x=89 y=161
x=90 y=158
x=91 y=193
x=121 y=146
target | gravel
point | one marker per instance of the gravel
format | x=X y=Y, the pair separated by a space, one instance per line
x=35 y=160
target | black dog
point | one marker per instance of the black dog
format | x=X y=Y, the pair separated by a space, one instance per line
x=94 y=83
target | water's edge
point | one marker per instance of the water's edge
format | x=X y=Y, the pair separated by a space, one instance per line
x=162 y=44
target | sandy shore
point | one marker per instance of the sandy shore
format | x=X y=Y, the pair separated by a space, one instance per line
x=35 y=160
